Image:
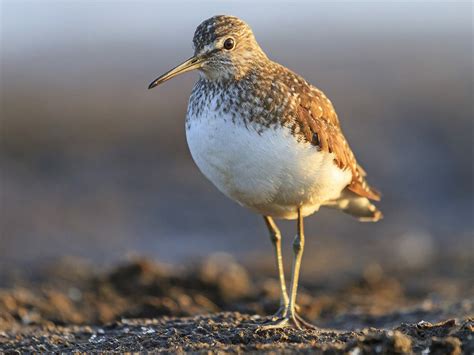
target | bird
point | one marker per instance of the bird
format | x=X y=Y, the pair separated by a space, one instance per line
x=269 y=140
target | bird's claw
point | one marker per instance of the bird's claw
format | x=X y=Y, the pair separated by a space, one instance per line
x=282 y=319
x=279 y=323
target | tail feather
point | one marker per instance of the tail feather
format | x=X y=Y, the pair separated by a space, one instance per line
x=357 y=206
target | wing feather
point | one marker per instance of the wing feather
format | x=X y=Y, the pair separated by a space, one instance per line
x=320 y=125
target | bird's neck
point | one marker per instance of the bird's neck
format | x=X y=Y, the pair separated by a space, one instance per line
x=244 y=99
x=245 y=79
x=240 y=69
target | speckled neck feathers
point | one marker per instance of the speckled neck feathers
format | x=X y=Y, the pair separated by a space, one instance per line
x=267 y=96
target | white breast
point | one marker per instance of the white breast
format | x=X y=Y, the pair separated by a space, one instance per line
x=269 y=172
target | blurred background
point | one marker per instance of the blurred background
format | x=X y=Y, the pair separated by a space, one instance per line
x=95 y=166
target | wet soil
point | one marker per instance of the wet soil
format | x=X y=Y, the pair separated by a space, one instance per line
x=215 y=305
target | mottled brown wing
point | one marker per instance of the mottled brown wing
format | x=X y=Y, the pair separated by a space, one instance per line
x=318 y=122
x=319 y=106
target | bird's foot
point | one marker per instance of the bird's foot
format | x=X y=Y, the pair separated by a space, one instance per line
x=283 y=319
x=281 y=313
x=305 y=324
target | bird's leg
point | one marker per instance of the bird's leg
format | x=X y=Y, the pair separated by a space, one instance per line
x=275 y=237
x=298 y=247
x=290 y=317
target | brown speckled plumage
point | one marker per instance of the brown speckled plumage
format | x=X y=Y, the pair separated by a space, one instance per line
x=262 y=94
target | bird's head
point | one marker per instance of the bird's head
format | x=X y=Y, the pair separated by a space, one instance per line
x=224 y=48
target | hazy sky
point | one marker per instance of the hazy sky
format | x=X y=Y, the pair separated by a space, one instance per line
x=28 y=24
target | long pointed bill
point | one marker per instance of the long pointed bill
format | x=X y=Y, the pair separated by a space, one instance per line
x=192 y=63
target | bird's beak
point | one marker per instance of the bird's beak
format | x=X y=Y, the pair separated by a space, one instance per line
x=191 y=64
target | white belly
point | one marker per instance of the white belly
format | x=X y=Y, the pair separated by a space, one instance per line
x=270 y=173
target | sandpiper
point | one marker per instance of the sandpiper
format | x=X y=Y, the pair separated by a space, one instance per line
x=269 y=140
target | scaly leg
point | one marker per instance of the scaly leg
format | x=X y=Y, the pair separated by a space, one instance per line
x=290 y=318
x=275 y=237
x=298 y=247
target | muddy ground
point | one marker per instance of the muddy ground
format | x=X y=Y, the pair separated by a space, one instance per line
x=217 y=304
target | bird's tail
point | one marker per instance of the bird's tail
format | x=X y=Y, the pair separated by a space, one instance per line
x=357 y=206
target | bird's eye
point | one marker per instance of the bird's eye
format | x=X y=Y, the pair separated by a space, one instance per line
x=229 y=44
